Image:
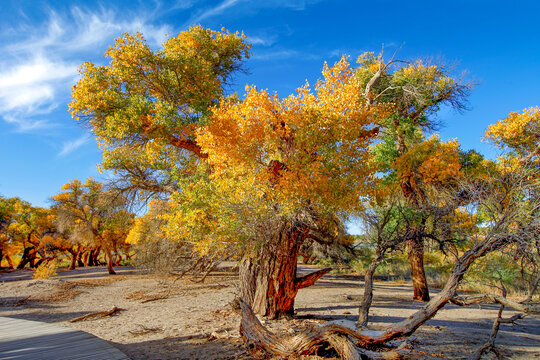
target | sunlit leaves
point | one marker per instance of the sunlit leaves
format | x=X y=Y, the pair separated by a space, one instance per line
x=144 y=104
x=273 y=158
x=519 y=132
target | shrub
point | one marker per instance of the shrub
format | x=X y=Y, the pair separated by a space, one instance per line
x=45 y=271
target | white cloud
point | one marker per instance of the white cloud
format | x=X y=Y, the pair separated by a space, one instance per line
x=30 y=89
x=217 y=10
x=71 y=146
x=284 y=54
x=262 y=40
x=39 y=65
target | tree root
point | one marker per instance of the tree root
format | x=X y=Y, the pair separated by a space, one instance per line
x=347 y=343
x=111 y=312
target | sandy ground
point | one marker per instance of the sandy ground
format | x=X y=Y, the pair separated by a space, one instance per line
x=168 y=318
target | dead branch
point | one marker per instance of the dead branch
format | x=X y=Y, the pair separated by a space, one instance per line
x=99 y=314
x=262 y=343
x=495 y=299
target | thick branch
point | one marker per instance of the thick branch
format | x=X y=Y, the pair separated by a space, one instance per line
x=261 y=342
x=185 y=144
x=308 y=280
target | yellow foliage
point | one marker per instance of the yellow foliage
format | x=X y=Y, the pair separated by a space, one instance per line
x=45 y=271
x=519 y=132
x=431 y=161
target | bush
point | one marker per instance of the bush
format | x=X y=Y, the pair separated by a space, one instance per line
x=159 y=256
x=45 y=271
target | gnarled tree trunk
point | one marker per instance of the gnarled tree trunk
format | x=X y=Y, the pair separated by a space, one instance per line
x=418 y=275
x=268 y=281
x=365 y=304
x=28 y=257
x=359 y=344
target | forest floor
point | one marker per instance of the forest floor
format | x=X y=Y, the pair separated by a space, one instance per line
x=171 y=318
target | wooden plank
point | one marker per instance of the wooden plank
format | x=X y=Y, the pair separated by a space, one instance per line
x=33 y=340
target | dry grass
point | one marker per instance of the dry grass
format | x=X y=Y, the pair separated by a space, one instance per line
x=68 y=290
x=145 y=296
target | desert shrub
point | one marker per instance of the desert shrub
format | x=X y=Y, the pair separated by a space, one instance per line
x=160 y=256
x=45 y=271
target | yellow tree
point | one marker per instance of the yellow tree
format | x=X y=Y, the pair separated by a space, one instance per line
x=416 y=90
x=277 y=170
x=518 y=133
x=8 y=246
x=94 y=216
x=144 y=106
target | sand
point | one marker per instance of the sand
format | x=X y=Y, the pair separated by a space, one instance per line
x=171 y=318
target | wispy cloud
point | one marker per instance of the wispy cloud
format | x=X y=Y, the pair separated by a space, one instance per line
x=213 y=11
x=262 y=40
x=39 y=64
x=284 y=54
x=70 y=146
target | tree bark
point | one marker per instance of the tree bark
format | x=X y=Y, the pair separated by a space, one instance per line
x=268 y=281
x=418 y=275
x=109 y=256
x=27 y=257
x=74 y=256
x=10 y=263
x=365 y=304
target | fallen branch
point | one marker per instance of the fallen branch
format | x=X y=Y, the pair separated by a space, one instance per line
x=111 y=312
x=461 y=300
x=262 y=343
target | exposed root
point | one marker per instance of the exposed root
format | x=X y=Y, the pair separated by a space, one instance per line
x=347 y=343
x=99 y=314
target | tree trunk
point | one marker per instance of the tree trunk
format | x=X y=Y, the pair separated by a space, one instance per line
x=418 y=275
x=363 y=316
x=109 y=257
x=90 y=259
x=268 y=281
x=117 y=259
x=10 y=263
x=83 y=258
x=27 y=257
x=74 y=256
x=95 y=256
x=1 y=256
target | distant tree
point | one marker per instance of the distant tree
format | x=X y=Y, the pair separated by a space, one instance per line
x=93 y=216
x=7 y=214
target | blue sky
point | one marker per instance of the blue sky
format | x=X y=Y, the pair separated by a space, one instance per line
x=43 y=42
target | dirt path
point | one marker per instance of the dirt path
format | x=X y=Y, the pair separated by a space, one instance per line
x=177 y=319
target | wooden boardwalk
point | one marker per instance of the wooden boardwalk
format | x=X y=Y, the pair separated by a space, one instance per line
x=33 y=340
